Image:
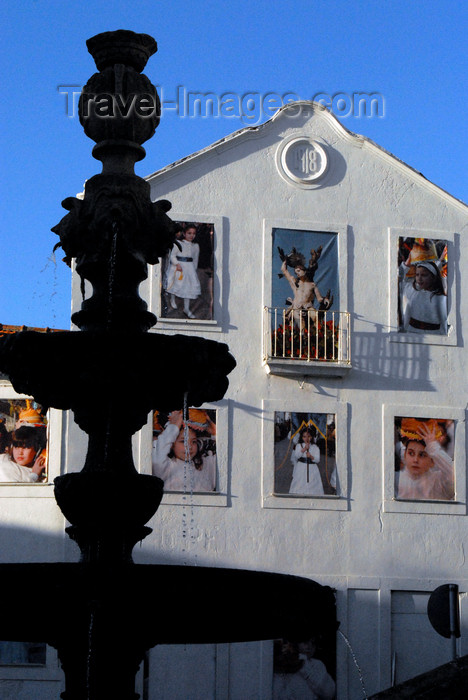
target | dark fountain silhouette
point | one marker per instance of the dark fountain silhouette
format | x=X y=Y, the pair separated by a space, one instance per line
x=99 y=619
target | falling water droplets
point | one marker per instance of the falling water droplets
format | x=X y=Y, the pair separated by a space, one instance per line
x=46 y=294
x=188 y=531
x=353 y=656
x=112 y=268
x=90 y=659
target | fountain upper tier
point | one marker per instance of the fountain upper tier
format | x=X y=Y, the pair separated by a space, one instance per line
x=66 y=370
x=113 y=234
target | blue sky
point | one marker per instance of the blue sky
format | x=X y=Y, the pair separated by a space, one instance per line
x=413 y=54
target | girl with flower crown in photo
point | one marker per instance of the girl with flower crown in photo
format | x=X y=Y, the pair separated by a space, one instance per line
x=423 y=299
x=184 y=455
x=25 y=460
x=306 y=479
x=427 y=470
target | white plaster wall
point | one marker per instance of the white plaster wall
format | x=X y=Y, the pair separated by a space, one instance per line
x=31 y=524
x=31 y=531
x=358 y=547
x=367 y=192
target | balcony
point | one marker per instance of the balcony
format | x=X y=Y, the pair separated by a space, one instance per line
x=321 y=347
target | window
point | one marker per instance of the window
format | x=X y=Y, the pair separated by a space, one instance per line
x=29 y=670
x=424 y=459
x=187 y=273
x=185 y=288
x=203 y=479
x=422 y=291
x=23 y=441
x=416 y=646
x=306 y=324
x=422 y=286
x=300 y=669
x=22 y=653
x=304 y=454
x=424 y=451
x=184 y=451
x=31 y=446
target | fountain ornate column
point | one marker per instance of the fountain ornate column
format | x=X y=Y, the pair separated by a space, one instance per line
x=113 y=234
x=106 y=610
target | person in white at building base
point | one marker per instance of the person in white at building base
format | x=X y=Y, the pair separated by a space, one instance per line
x=180 y=471
x=427 y=472
x=298 y=675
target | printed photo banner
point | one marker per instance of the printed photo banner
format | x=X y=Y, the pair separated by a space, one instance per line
x=187 y=273
x=305 y=454
x=318 y=252
x=305 y=669
x=184 y=453
x=424 y=459
x=422 y=285
x=305 y=295
x=23 y=442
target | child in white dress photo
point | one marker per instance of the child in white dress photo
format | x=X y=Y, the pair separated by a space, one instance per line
x=182 y=456
x=181 y=276
x=306 y=479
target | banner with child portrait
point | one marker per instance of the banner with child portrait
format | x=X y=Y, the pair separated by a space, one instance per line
x=305 y=454
x=23 y=442
x=184 y=450
x=305 y=669
x=422 y=286
x=187 y=273
x=424 y=459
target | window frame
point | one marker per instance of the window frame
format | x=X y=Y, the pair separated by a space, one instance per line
x=338 y=502
x=179 y=498
x=151 y=288
x=453 y=254
x=391 y=504
x=294 y=367
x=50 y=671
x=44 y=489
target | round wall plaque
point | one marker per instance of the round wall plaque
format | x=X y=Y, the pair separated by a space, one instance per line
x=302 y=160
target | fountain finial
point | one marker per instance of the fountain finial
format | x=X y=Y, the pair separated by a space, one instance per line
x=119 y=107
x=121 y=46
x=116 y=230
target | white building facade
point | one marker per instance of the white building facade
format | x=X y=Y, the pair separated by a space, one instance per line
x=362 y=371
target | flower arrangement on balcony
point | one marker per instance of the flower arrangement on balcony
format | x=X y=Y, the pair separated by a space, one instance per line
x=318 y=342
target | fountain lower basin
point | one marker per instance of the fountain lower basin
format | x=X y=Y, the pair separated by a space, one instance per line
x=148 y=602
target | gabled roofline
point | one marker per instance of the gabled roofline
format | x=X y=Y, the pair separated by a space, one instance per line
x=334 y=123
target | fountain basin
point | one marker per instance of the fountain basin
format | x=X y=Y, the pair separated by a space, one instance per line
x=149 y=603
x=66 y=370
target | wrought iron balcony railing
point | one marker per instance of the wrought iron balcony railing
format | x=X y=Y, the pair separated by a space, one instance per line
x=306 y=336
